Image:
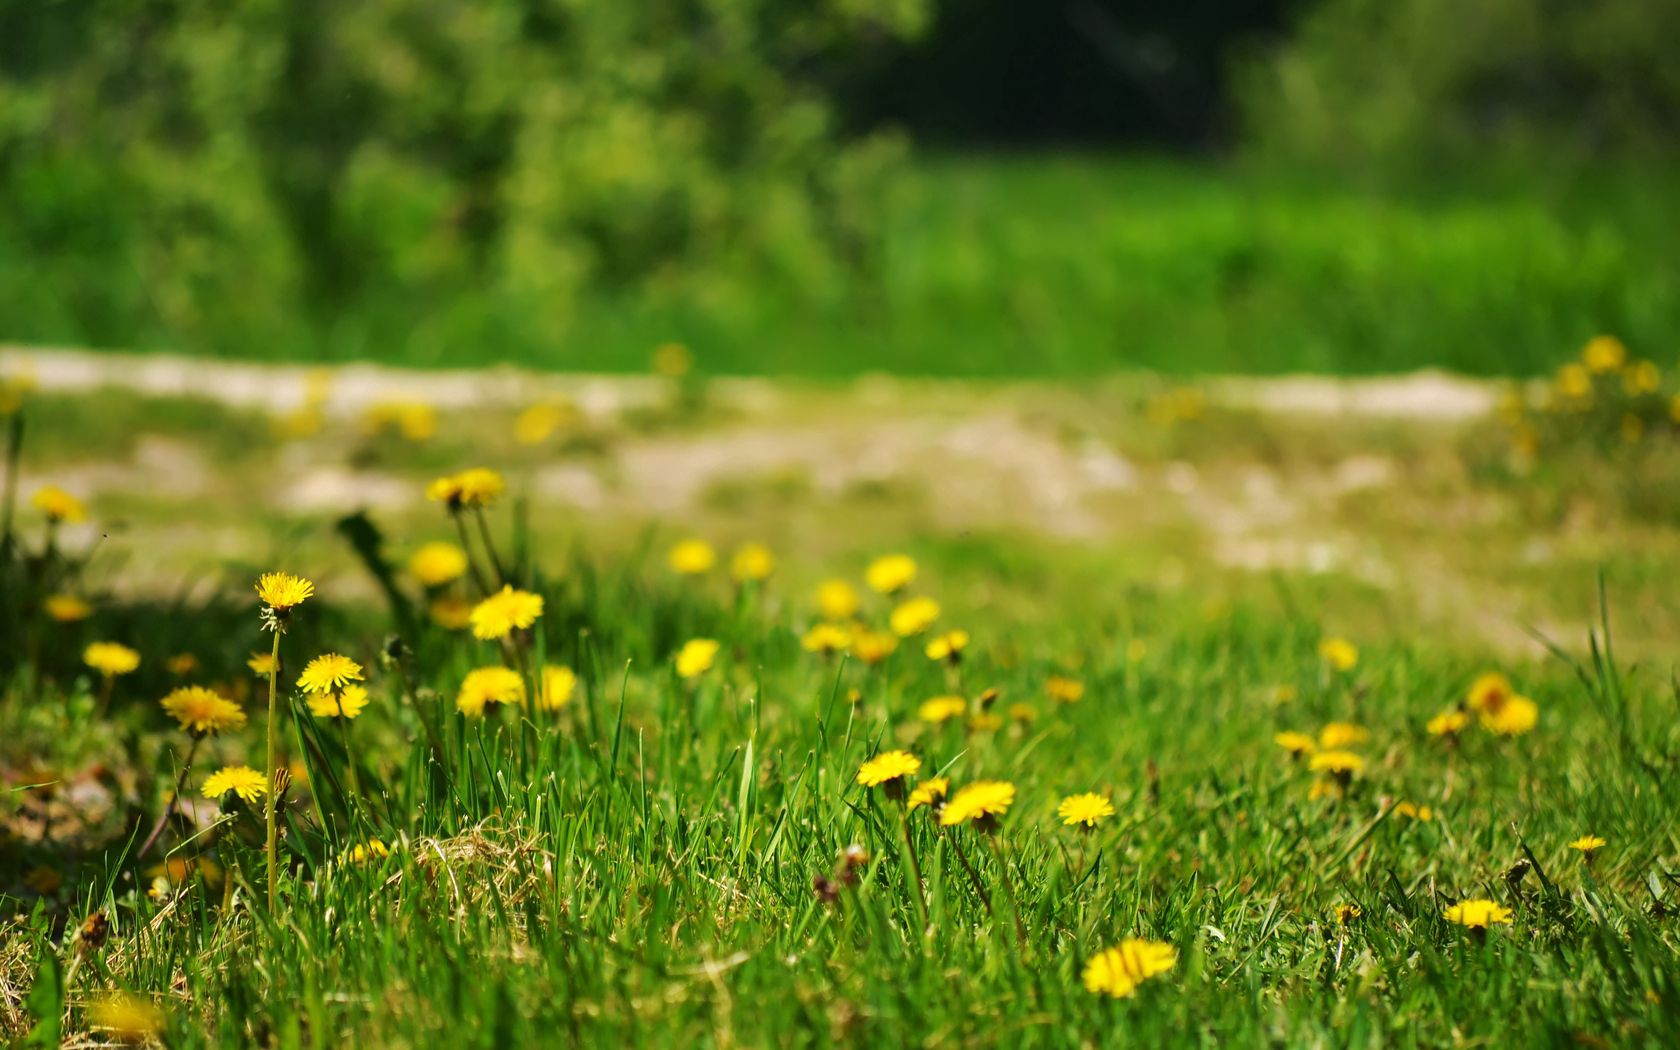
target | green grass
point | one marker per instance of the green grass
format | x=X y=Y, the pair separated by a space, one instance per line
x=640 y=866
x=1072 y=266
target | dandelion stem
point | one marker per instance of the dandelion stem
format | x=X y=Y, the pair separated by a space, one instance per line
x=276 y=785
x=489 y=545
x=472 y=562
x=174 y=800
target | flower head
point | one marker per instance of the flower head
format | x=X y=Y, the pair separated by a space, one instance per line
x=1448 y=722
x=1604 y=353
x=67 y=608
x=914 y=616
x=1414 y=811
x=1478 y=914
x=1089 y=809
x=872 y=647
x=182 y=664
x=1342 y=734
x=929 y=792
x=695 y=657
x=1297 y=744
x=478 y=487
x=200 y=710
x=888 y=767
x=111 y=658
x=1337 y=763
x=327 y=672
x=1587 y=845
x=58 y=505
x=1339 y=653
x=126 y=1018
x=981 y=802
x=243 y=781
x=262 y=664
x=1490 y=691
x=692 y=557
x=837 y=600
x=450 y=612
x=438 y=563
x=673 y=360
x=890 y=573
x=281 y=591
x=559 y=683
x=505 y=611
x=941 y=709
x=826 y=639
x=1064 y=690
x=346 y=704
x=947 y=646
x=1515 y=717
x=1118 y=971
x=362 y=852
x=1346 y=913
x=488 y=685
x=751 y=561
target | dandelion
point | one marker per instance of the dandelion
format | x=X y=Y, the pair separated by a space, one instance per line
x=1118 y=971
x=127 y=1018
x=243 y=781
x=1587 y=845
x=450 y=612
x=673 y=360
x=837 y=600
x=1284 y=694
x=435 y=564
x=200 y=710
x=505 y=611
x=1573 y=383
x=913 y=617
x=890 y=573
x=981 y=802
x=327 y=672
x=1297 y=744
x=347 y=704
x=539 y=422
x=752 y=563
x=111 y=658
x=1489 y=692
x=1088 y=809
x=1341 y=764
x=1347 y=913
x=941 y=709
x=1022 y=713
x=181 y=664
x=1642 y=377
x=947 y=647
x=888 y=768
x=1064 y=690
x=262 y=664
x=984 y=722
x=67 y=608
x=1338 y=653
x=1515 y=717
x=826 y=639
x=1414 y=811
x=488 y=685
x=282 y=592
x=1478 y=914
x=559 y=684
x=1603 y=353
x=1448 y=723
x=1336 y=735
x=696 y=656
x=929 y=792
x=477 y=487
x=873 y=647
x=692 y=558
x=58 y=505
x=362 y=852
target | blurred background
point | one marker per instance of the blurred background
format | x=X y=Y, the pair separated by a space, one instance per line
x=827 y=187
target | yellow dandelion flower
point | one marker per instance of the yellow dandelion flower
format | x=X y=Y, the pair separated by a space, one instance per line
x=984 y=722
x=559 y=684
x=1587 y=845
x=1515 y=717
x=752 y=562
x=126 y=1018
x=262 y=664
x=1489 y=692
x=982 y=801
x=111 y=658
x=692 y=557
x=58 y=505
x=1089 y=809
x=348 y=703
x=282 y=591
x=1604 y=353
x=1346 y=913
x=1414 y=811
x=887 y=767
x=1339 y=653
x=67 y=608
x=1478 y=914
x=673 y=360
x=826 y=639
x=327 y=672
x=1064 y=690
x=1118 y=971
x=435 y=564
x=929 y=792
x=477 y=487
x=947 y=646
x=539 y=422
x=450 y=612
x=872 y=647
x=1448 y=722
x=1284 y=694
x=505 y=611
x=488 y=685
x=361 y=852
x=199 y=710
x=1297 y=744
x=1022 y=713
x=243 y=781
x=696 y=657
x=913 y=617
x=1642 y=377
x=1573 y=383
x=837 y=600
x=890 y=573
x=941 y=709
x=181 y=664
x=1340 y=763
x=1341 y=735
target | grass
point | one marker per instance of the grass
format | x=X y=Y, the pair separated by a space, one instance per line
x=1071 y=266
x=643 y=864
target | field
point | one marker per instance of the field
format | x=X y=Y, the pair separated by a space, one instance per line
x=1335 y=661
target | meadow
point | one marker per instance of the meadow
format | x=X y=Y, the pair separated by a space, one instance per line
x=726 y=712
